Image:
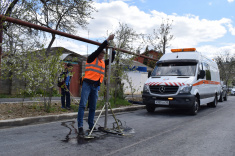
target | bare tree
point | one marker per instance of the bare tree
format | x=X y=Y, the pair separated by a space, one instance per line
x=65 y=16
x=160 y=39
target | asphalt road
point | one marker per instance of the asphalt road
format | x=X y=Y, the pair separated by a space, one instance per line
x=165 y=132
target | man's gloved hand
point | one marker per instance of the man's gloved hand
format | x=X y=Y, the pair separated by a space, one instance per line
x=111 y=37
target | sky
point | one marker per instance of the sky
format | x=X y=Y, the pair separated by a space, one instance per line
x=207 y=25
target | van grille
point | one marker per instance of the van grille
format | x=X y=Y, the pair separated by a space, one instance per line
x=163 y=89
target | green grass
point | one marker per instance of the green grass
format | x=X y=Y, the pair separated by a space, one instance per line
x=115 y=103
x=38 y=94
x=10 y=111
x=10 y=96
x=74 y=107
x=56 y=107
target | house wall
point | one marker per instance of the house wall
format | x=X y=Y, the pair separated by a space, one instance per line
x=75 y=81
x=139 y=59
x=137 y=80
x=151 y=53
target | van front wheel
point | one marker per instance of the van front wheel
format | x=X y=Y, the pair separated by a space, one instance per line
x=195 y=107
x=150 y=108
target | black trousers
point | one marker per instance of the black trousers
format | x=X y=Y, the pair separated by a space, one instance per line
x=65 y=94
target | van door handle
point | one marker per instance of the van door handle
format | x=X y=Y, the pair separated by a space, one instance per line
x=203 y=81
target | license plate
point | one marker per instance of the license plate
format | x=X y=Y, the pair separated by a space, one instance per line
x=161 y=102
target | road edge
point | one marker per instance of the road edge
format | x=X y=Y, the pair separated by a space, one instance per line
x=52 y=118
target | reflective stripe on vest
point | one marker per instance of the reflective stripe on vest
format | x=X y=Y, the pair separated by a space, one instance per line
x=95 y=70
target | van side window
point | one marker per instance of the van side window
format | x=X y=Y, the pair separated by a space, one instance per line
x=200 y=68
x=207 y=70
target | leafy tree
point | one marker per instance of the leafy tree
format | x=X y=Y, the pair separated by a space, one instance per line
x=16 y=39
x=36 y=73
x=9 y=8
x=38 y=70
x=226 y=64
x=124 y=39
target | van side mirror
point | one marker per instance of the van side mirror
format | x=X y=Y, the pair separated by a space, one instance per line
x=201 y=74
x=149 y=74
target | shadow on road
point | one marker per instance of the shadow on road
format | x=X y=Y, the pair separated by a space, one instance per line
x=173 y=111
x=73 y=137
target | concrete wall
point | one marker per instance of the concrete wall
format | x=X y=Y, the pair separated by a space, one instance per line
x=11 y=86
x=4 y=86
x=138 y=79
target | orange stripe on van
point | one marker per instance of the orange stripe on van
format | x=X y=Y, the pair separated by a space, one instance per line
x=206 y=82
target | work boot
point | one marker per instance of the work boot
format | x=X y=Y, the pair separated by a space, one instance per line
x=80 y=131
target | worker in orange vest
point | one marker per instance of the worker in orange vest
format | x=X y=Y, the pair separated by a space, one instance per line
x=94 y=74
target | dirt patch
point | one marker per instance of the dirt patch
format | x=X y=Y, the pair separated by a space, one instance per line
x=19 y=110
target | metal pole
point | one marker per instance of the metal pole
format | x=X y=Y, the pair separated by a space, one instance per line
x=38 y=27
x=108 y=86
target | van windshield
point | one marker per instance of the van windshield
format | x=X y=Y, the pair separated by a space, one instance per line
x=175 y=69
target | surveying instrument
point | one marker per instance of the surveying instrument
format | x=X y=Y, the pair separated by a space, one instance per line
x=116 y=125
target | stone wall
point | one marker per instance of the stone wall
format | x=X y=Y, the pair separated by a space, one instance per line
x=4 y=86
x=11 y=86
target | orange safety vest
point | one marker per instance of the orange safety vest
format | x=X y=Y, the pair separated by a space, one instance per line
x=95 y=70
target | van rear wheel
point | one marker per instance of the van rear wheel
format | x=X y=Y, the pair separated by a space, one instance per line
x=221 y=99
x=195 y=107
x=226 y=97
x=150 y=108
x=214 y=103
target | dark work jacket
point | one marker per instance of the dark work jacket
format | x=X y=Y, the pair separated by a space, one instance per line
x=65 y=74
x=94 y=55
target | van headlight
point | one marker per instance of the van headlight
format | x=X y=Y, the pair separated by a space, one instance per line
x=185 y=89
x=146 y=88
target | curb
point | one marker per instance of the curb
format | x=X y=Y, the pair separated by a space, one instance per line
x=52 y=118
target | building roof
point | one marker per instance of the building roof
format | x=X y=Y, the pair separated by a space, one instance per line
x=68 y=55
x=154 y=51
x=137 y=64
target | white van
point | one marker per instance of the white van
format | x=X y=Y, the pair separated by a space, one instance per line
x=183 y=79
